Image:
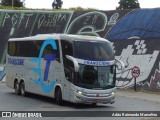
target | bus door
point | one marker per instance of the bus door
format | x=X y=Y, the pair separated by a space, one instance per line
x=67 y=49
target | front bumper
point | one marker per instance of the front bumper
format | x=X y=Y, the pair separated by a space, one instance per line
x=85 y=99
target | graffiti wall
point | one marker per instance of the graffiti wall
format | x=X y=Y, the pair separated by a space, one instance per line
x=137 y=43
x=135 y=35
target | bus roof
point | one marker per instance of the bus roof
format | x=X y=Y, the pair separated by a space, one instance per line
x=57 y=36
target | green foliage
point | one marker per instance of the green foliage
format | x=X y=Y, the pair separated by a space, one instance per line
x=13 y=8
x=128 y=4
x=16 y=3
x=82 y=9
x=73 y=9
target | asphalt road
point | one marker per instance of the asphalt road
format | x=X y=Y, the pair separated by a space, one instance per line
x=9 y=101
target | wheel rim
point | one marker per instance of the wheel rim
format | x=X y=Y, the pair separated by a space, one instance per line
x=57 y=97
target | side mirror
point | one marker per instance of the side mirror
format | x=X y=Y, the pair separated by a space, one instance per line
x=76 y=66
x=122 y=64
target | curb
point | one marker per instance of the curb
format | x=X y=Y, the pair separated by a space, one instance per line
x=140 y=95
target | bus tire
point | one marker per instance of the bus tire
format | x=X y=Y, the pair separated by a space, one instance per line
x=16 y=87
x=58 y=96
x=22 y=89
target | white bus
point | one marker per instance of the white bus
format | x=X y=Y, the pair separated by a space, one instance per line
x=75 y=68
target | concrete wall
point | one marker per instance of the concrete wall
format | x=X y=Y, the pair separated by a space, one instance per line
x=135 y=35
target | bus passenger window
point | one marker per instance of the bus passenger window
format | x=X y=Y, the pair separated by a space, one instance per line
x=49 y=50
x=12 y=48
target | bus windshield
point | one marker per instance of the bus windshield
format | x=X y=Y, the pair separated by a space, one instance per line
x=93 y=50
x=92 y=77
x=95 y=77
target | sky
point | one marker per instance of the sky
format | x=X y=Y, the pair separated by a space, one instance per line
x=98 y=4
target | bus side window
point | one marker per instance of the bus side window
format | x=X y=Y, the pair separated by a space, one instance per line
x=13 y=48
x=67 y=49
x=50 y=50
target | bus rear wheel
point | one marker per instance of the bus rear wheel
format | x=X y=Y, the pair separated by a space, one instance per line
x=16 y=87
x=22 y=89
x=58 y=96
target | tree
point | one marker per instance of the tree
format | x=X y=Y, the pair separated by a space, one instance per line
x=128 y=4
x=57 y=4
x=16 y=3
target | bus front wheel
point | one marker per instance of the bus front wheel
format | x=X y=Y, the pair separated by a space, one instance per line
x=16 y=87
x=58 y=96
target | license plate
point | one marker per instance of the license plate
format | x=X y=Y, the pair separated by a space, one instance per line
x=98 y=101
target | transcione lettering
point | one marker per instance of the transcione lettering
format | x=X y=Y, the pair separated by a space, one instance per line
x=96 y=63
x=14 y=61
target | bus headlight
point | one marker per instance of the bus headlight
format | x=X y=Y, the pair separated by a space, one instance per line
x=80 y=92
x=112 y=93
